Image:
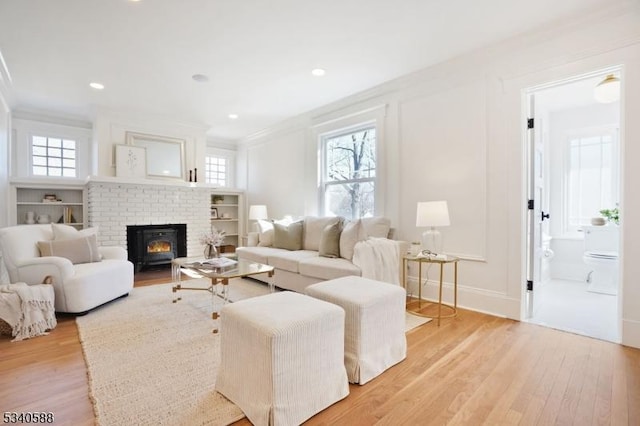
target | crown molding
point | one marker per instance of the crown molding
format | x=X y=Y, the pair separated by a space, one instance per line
x=52 y=118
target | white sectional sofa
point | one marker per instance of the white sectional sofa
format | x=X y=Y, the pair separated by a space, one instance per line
x=297 y=269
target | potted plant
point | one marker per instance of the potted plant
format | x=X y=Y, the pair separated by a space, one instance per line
x=212 y=241
x=612 y=215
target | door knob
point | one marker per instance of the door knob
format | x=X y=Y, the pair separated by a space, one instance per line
x=544 y=216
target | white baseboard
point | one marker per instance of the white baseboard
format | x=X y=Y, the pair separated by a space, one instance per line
x=631 y=333
x=484 y=301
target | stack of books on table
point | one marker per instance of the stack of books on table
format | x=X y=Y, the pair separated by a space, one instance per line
x=216 y=264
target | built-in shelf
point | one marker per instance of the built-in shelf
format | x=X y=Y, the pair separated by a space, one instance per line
x=23 y=203
x=227 y=204
x=26 y=197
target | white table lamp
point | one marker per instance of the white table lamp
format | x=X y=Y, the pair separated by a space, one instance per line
x=258 y=212
x=432 y=214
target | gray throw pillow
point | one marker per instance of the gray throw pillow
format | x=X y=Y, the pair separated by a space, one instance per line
x=288 y=237
x=330 y=240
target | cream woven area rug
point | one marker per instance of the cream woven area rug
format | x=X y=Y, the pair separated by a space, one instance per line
x=154 y=362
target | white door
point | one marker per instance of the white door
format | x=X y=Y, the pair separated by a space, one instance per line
x=535 y=212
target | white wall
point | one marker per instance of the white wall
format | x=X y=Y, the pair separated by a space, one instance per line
x=455 y=131
x=109 y=129
x=5 y=131
x=276 y=174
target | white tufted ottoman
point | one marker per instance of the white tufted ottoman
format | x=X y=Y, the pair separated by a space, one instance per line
x=282 y=357
x=374 y=323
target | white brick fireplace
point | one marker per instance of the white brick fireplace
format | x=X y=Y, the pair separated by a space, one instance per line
x=112 y=205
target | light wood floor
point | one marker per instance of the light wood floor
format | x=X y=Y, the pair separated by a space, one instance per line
x=473 y=369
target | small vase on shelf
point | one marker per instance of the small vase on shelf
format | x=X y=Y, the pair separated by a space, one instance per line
x=210 y=251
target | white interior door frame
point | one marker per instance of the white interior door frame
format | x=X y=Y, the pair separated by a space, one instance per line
x=530 y=300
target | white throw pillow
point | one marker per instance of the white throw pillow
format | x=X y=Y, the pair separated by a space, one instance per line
x=351 y=234
x=66 y=232
x=376 y=227
x=265 y=237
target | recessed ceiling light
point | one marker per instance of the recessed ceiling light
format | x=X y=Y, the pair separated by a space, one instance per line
x=318 y=72
x=200 y=78
x=233 y=116
x=97 y=86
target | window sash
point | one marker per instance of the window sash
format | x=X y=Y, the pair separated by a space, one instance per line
x=216 y=170
x=328 y=183
x=583 y=179
x=53 y=156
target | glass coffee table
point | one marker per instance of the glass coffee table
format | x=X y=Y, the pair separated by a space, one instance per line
x=196 y=267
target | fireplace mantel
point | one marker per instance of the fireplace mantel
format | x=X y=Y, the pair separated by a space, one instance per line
x=157 y=182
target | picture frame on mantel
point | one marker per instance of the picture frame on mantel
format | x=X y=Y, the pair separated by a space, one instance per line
x=164 y=155
x=131 y=161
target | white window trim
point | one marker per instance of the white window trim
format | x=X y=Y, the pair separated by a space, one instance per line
x=614 y=131
x=22 y=154
x=228 y=155
x=371 y=117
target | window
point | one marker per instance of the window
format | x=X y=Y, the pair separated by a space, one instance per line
x=53 y=156
x=591 y=176
x=216 y=170
x=349 y=173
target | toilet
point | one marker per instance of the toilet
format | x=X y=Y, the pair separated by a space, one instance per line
x=601 y=257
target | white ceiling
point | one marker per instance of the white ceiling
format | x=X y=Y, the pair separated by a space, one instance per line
x=258 y=54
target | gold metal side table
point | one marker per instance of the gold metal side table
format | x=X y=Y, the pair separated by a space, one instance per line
x=415 y=306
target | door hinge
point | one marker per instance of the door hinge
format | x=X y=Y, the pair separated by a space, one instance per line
x=530 y=204
x=530 y=123
x=529 y=285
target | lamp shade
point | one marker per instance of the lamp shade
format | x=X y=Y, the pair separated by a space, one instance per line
x=257 y=212
x=608 y=90
x=432 y=213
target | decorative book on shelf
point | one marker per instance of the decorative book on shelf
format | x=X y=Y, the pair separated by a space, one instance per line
x=67 y=216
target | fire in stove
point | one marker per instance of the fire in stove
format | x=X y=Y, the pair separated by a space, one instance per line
x=159 y=246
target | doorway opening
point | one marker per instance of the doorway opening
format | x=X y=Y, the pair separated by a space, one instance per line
x=573 y=181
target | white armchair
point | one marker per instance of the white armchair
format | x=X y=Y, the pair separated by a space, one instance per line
x=78 y=287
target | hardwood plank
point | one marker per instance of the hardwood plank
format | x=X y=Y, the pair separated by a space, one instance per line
x=585 y=409
x=530 y=359
x=473 y=369
x=633 y=384
x=570 y=399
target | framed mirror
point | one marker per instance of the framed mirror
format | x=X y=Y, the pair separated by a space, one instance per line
x=165 y=156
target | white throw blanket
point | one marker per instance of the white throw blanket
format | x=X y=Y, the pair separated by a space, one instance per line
x=29 y=310
x=379 y=259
